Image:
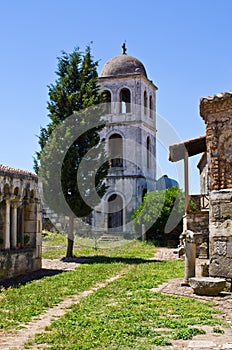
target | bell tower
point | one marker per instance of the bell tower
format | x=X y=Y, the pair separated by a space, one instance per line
x=130 y=135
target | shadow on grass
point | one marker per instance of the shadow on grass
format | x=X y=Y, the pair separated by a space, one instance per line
x=102 y=259
x=37 y=275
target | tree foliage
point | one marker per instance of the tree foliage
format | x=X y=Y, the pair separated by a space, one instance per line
x=155 y=211
x=73 y=93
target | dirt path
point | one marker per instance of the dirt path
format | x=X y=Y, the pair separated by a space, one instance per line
x=16 y=339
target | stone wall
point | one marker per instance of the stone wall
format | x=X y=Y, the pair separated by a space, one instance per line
x=20 y=222
x=17 y=262
x=199 y=224
x=217 y=114
x=220 y=227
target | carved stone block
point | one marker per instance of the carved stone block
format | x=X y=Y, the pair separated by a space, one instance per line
x=220 y=248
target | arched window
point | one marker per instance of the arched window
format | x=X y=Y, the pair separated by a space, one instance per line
x=16 y=191
x=145 y=102
x=115 y=212
x=116 y=150
x=6 y=189
x=106 y=97
x=150 y=107
x=148 y=152
x=125 y=100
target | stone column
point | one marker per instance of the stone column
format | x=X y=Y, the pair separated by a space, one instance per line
x=6 y=235
x=13 y=225
x=190 y=257
x=14 y=222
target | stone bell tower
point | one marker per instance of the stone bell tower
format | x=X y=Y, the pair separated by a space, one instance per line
x=130 y=135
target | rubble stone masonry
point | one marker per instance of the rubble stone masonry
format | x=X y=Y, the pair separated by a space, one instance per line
x=217 y=114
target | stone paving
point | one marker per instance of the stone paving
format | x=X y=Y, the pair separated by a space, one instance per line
x=210 y=340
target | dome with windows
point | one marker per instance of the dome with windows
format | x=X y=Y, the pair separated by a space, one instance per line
x=123 y=65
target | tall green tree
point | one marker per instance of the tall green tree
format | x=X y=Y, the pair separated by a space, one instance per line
x=74 y=93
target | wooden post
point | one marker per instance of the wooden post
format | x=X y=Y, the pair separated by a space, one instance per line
x=186 y=180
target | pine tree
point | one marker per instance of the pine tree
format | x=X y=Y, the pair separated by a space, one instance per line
x=75 y=91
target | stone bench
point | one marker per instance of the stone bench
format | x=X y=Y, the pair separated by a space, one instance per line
x=207 y=285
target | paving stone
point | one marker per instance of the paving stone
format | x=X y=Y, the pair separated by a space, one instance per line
x=201 y=344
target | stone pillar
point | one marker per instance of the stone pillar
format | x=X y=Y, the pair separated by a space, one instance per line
x=6 y=235
x=13 y=225
x=220 y=226
x=190 y=257
x=21 y=233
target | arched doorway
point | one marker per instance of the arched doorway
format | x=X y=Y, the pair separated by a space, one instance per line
x=115 y=213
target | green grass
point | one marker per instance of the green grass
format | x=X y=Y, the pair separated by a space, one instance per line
x=54 y=246
x=126 y=314
x=19 y=305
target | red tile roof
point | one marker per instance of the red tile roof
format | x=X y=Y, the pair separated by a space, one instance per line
x=6 y=170
x=216 y=97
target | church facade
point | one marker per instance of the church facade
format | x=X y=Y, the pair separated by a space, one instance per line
x=130 y=136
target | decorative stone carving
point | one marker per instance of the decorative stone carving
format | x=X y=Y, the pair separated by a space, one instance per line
x=220 y=248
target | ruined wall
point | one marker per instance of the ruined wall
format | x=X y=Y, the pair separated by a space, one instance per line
x=217 y=114
x=220 y=227
x=17 y=262
x=199 y=224
x=20 y=222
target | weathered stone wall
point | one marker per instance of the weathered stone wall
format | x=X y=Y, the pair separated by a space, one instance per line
x=13 y=263
x=20 y=221
x=220 y=226
x=217 y=113
x=199 y=224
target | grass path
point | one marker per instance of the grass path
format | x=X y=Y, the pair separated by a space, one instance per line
x=107 y=302
x=16 y=339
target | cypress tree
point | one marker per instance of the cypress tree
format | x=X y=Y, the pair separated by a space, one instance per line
x=74 y=92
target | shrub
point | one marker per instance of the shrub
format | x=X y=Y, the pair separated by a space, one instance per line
x=156 y=209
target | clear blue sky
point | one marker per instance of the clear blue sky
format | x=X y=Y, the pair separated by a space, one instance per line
x=184 y=45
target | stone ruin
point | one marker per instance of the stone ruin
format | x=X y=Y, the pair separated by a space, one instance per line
x=20 y=222
x=209 y=218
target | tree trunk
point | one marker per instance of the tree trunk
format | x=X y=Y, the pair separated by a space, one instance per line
x=69 y=253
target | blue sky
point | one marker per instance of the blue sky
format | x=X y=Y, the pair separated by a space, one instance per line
x=184 y=45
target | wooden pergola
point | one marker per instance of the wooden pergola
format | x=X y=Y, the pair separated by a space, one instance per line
x=184 y=150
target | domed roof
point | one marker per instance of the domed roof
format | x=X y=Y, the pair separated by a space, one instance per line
x=123 y=65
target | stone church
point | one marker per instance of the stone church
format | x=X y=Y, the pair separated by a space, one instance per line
x=130 y=135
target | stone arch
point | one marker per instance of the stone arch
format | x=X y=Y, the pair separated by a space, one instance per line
x=125 y=100
x=6 y=189
x=107 y=98
x=115 y=212
x=115 y=142
x=16 y=191
x=25 y=193
x=32 y=194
